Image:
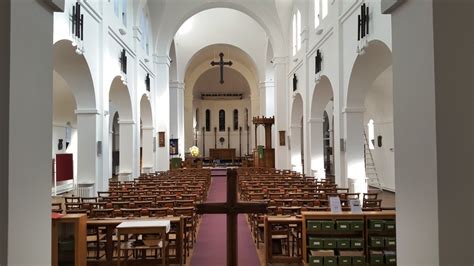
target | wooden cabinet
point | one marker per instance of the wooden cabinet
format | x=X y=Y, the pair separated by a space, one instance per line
x=349 y=239
x=69 y=240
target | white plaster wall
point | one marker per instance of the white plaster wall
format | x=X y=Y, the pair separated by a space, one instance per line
x=228 y=106
x=379 y=107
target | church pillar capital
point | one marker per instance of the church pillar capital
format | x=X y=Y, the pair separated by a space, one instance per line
x=279 y=60
x=348 y=110
x=265 y=84
x=147 y=128
x=175 y=84
x=162 y=60
x=86 y=112
x=126 y=122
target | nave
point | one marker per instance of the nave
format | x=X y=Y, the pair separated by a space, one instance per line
x=200 y=240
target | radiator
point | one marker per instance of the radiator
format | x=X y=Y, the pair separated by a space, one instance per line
x=84 y=190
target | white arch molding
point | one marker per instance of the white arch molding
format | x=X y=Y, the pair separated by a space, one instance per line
x=147 y=133
x=367 y=67
x=75 y=71
x=244 y=67
x=119 y=99
x=176 y=15
x=296 y=134
x=323 y=93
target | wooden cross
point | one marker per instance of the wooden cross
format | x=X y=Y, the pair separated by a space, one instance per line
x=221 y=64
x=363 y=22
x=232 y=208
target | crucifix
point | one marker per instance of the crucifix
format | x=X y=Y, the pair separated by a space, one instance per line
x=221 y=64
x=231 y=208
x=318 y=61
x=295 y=82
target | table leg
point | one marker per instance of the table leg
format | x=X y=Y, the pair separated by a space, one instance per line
x=109 y=244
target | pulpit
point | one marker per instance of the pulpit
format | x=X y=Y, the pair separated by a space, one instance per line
x=265 y=155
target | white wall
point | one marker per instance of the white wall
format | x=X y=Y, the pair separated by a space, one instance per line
x=228 y=106
x=379 y=107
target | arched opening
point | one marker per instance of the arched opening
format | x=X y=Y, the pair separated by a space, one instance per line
x=369 y=96
x=147 y=140
x=239 y=92
x=120 y=103
x=296 y=134
x=322 y=158
x=74 y=119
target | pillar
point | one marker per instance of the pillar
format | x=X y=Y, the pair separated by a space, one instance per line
x=295 y=145
x=87 y=159
x=25 y=142
x=162 y=107
x=317 y=148
x=281 y=96
x=433 y=117
x=177 y=114
x=126 y=150
x=355 y=164
x=147 y=148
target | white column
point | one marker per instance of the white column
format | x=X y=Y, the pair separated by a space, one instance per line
x=126 y=160
x=282 y=158
x=162 y=107
x=433 y=119
x=295 y=145
x=147 y=148
x=317 y=148
x=177 y=114
x=355 y=165
x=26 y=102
x=87 y=160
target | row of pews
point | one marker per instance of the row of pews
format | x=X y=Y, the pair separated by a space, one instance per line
x=288 y=194
x=170 y=195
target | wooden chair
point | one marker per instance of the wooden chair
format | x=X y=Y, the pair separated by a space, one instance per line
x=190 y=226
x=129 y=213
x=158 y=212
x=56 y=208
x=372 y=205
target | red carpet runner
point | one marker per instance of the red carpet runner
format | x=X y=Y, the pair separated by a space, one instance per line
x=210 y=248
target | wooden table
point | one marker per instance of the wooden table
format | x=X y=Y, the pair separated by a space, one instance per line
x=137 y=227
x=111 y=223
x=294 y=221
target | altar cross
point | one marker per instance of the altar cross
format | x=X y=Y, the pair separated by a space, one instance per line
x=231 y=208
x=221 y=64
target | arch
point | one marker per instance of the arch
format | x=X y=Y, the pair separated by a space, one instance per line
x=297 y=110
x=145 y=112
x=322 y=94
x=296 y=134
x=120 y=97
x=367 y=67
x=76 y=72
x=174 y=63
x=270 y=24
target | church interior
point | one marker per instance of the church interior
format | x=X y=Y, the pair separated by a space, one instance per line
x=225 y=132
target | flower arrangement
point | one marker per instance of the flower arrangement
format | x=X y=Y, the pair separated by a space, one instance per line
x=194 y=151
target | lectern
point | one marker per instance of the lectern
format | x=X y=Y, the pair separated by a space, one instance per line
x=267 y=159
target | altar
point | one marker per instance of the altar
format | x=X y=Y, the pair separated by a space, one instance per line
x=222 y=154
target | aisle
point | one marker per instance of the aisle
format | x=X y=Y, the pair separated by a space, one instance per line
x=210 y=248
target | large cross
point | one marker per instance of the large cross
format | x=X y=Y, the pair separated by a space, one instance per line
x=221 y=64
x=232 y=208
